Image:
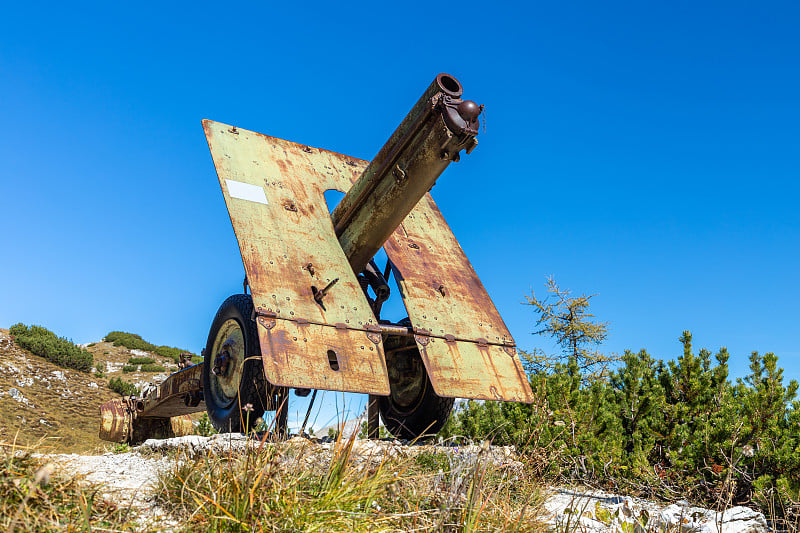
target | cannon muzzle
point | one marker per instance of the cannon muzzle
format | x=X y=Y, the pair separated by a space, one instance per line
x=428 y=139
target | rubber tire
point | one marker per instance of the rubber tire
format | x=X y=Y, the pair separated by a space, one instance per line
x=431 y=411
x=253 y=384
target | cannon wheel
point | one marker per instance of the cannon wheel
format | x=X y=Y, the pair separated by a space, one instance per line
x=233 y=348
x=412 y=410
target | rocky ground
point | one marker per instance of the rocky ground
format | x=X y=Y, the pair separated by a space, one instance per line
x=129 y=478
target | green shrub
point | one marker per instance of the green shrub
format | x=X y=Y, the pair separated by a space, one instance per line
x=172 y=353
x=123 y=388
x=133 y=341
x=58 y=350
x=204 y=427
x=128 y=340
x=121 y=447
x=655 y=428
x=141 y=361
x=152 y=368
x=130 y=368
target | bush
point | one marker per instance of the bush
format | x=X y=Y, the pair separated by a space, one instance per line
x=133 y=341
x=204 y=427
x=128 y=340
x=58 y=350
x=659 y=429
x=172 y=353
x=123 y=388
x=152 y=368
x=130 y=368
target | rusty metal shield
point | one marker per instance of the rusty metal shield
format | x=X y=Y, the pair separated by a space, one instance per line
x=274 y=191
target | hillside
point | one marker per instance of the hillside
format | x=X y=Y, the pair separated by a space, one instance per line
x=40 y=400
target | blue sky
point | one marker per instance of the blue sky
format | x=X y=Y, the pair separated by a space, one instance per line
x=648 y=152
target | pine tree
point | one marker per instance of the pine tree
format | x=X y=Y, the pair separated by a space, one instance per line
x=567 y=319
x=636 y=397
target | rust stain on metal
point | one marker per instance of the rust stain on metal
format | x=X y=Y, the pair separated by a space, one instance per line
x=122 y=420
x=296 y=355
x=115 y=420
x=176 y=395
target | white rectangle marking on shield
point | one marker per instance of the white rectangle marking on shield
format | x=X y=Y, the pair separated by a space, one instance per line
x=245 y=191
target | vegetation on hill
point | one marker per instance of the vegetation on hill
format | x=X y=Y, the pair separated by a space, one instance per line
x=58 y=350
x=133 y=341
x=123 y=388
x=152 y=368
x=677 y=429
x=143 y=368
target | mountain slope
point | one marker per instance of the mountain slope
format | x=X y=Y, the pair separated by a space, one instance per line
x=40 y=400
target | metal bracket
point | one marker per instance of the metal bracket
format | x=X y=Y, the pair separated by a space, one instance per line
x=374 y=333
x=510 y=349
x=267 y=321
x=422 y=336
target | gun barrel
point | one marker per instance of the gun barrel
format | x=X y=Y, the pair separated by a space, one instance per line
x=430 y=137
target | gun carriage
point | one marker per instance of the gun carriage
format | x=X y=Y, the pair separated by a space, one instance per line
x=312 y=318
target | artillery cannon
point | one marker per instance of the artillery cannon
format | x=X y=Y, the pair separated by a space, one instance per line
x=310 y=322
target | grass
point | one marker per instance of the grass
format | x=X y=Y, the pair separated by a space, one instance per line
x=34 y=499
x=275 y=488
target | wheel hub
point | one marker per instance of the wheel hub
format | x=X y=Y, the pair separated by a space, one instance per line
x=223 y=360
x=226 y=372
x=406 y=378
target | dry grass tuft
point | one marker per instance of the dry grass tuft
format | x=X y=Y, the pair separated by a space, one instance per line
x=270 y=488
x=33 y=498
